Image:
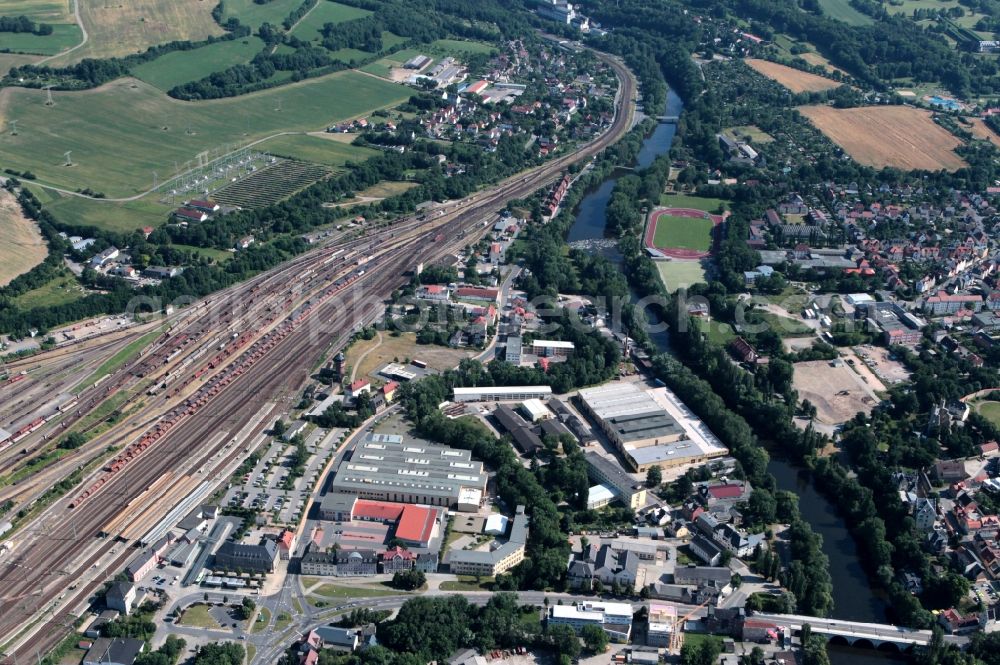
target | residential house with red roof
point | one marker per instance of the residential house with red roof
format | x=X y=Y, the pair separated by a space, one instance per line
x=434 y=292
x=954 y=623
x=204 y=205
x=943 y=303
x=396 y=560
x=743 y=350
x=286 y=543
x=190 y=215
x=477 y=293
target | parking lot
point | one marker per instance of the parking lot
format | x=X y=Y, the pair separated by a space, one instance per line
x=269 y=487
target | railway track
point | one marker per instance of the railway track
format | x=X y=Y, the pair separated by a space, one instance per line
x=30 y=577
x=232 y=311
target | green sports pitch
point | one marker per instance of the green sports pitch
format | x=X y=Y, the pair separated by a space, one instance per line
x=694 y=233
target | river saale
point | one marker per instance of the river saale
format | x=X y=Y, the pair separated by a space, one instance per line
x=853 y=596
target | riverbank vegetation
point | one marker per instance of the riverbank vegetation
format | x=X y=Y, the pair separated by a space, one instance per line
x=751 y=410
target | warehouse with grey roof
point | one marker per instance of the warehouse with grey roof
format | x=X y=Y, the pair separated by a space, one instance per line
x=642 y=428
x=500 y=558
x=384 y=467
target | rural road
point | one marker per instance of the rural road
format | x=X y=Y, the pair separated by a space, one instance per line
x=83 y=30
x=354 y=369
x=296 y=24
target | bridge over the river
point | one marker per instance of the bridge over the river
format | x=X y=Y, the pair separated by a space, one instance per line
x=857 y=633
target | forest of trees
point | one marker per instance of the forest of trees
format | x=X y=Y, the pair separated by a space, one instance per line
x=24 y=24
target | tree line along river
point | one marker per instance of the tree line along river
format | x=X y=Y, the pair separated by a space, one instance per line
x=853 y=596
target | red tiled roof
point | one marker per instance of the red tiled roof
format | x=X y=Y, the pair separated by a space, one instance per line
x=941 y=296
x=359 y=384
x=416 y=524
x=730 y=491
x=473 y=291
x=377 y=510
x=189 y=213
x=398 y=552
x=757 y=623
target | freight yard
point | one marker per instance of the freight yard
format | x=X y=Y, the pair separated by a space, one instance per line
x=169 y=409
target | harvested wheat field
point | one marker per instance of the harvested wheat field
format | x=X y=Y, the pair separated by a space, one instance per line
x=879 y=136
x=793 y=79
x=21 y=245
x=981 y=130
x=122 y=28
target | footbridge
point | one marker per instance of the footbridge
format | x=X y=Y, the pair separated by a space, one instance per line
x=856 y=633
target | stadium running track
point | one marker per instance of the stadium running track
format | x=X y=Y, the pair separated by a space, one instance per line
x=680 y=252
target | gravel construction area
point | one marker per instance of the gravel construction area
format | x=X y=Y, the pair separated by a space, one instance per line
x=889 y=371
x=838 y=392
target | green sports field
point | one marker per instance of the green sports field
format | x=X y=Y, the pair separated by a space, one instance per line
x=681 y=274
x=316 y=149
x=172 y=69
x=121 y=132
x=683 y=233
x=325 y=12
x=989 y=410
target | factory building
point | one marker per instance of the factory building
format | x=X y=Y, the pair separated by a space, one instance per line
x=385 y=468
x=414 y=525
x=661 y=624
x=626 y=488
x=501 y=393
x=599 y=496
x=520 y=431
x=614 y=618
x=551 y=347
x=629 y=416
x=248 y=558
x=643 y=430
x=560 y=11
x=499 y=559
